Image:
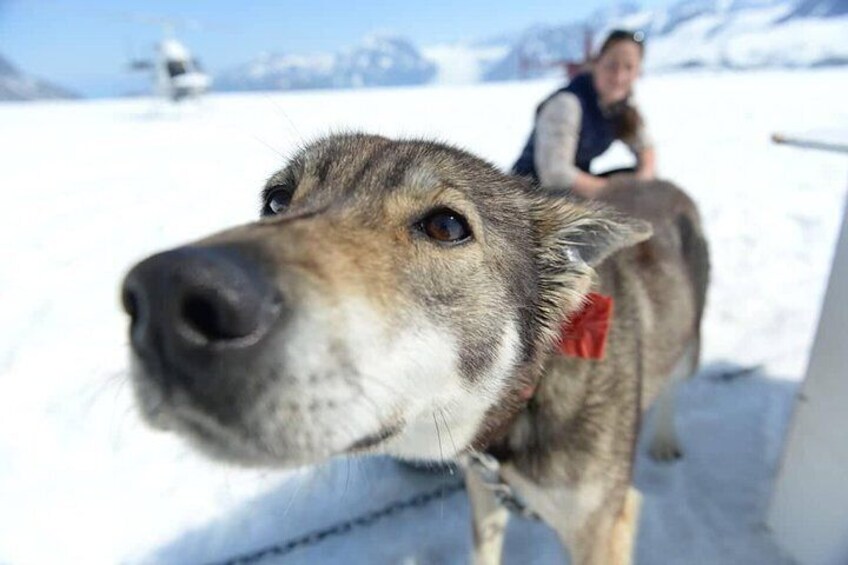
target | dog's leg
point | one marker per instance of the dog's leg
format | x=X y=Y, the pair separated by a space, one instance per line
x=665 y=444
x=622 y=541
x=489 y=520
x=607 y=535
x=597 y=526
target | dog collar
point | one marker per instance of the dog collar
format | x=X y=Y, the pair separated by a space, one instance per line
x=584 y=334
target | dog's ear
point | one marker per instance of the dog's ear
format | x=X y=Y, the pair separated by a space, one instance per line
x=571 y=238
x=585 y=231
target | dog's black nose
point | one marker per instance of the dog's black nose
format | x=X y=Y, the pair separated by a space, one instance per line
x=198 y=297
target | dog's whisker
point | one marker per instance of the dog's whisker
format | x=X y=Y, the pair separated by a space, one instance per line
x=118 y=429
x=450 y=434
x=240 y=129
x=347 y=477
x=113 y=379
x=438 y=435
x=288 y=119
x=294 y=495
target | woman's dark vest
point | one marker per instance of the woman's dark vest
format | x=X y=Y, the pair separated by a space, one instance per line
x=597 y=130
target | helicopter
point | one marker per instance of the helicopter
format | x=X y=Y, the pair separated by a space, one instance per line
x=177 y=74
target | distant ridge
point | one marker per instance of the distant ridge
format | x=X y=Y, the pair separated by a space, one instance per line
x=15 y=85
x=378 y=61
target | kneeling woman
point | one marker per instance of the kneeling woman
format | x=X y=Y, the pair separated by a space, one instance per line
x=580 y=121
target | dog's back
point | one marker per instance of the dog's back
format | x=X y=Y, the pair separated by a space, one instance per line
x=667 y=277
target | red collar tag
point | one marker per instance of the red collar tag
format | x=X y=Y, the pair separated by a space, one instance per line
x=584 y=334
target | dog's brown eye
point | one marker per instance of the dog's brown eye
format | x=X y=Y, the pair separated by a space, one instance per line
x=278 y=200
x=446 y=226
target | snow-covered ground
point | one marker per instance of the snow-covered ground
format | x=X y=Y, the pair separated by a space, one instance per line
x=90 y=187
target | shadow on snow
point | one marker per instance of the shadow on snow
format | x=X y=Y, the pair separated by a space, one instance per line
x=705 y=508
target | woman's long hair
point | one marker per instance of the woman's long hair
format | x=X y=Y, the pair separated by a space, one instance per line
x=628 y=120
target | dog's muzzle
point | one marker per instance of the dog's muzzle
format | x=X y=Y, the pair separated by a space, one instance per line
x=199 y=318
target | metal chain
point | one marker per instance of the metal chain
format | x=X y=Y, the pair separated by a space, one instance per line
x=489 y=470
x=342 y=528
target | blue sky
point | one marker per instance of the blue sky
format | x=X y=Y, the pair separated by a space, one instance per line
x=84 y=45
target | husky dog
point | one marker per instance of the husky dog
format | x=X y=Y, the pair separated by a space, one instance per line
x=404 y=298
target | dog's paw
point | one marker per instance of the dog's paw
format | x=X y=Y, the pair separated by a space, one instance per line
x=665 y=450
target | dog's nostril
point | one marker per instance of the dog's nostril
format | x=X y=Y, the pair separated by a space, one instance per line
x=214 y=318
x=202 y=315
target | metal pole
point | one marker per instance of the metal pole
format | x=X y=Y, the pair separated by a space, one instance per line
x=810 y=143
x=808 y=516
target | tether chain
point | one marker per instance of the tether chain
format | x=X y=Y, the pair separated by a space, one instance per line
x=489 y=470
x=342 y=528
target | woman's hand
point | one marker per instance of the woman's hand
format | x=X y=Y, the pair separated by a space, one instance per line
x=588 y=186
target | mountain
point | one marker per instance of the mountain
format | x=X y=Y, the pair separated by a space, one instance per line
x=280 y=72
x=714 y=34
x=378 y=61
x=15 y=85
x=734 y=34
x=535 y=51
x=465 y=63
x=383 y=61
x=752 y=34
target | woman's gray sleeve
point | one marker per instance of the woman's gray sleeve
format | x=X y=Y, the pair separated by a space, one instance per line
x=557 y=135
